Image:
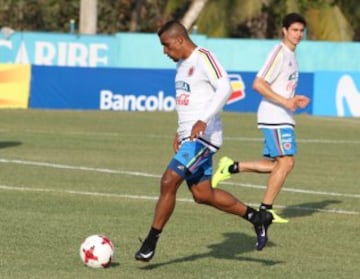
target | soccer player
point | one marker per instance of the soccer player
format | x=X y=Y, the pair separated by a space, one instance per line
x=202 y=88
x=276 y=82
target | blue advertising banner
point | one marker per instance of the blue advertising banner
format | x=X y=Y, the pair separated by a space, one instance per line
x=130 y=89
x=102 y=88
x=337 y=94
x=245 y=99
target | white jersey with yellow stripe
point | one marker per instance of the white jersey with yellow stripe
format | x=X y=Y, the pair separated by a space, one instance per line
x=281 y=72
x=202 y=89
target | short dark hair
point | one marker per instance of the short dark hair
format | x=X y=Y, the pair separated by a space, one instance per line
x=174 y=26
x=292 y=18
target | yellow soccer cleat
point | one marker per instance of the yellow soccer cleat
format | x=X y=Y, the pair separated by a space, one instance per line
x=222 y=173
x=277 y=218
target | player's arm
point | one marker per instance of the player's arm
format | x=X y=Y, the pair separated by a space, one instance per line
x=219 y=80
x=176 y=143
x=261 y=86
x=220 y=97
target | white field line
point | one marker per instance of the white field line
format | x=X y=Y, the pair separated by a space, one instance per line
x=321 y=141
x=143 y=174
x=295 y=190
x=241 y=139
x=142 y=197
x=111 y=171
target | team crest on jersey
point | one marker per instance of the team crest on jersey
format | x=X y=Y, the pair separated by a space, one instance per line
x=287 y=146
x=191 y=71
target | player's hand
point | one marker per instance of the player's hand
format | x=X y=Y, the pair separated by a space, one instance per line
x=198 y=129
x=298 y=101
x=302 y=101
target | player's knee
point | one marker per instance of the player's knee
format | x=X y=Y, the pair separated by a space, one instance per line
x=165 y=181
x=291 y=163
x=287 y=163
x=200 y=198
x=168 y=184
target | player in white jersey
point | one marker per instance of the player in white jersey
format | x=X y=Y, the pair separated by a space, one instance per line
x=276 y=82
x=281 y=72
x=202 y=89
x=196 y=78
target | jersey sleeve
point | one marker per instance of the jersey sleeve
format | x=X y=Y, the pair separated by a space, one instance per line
x=219 y=80
x=272 y=66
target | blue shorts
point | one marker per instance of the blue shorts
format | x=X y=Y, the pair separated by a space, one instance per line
x=279 y=142
x=193 y=162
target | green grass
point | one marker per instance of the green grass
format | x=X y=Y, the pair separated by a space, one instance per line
x=68 y=174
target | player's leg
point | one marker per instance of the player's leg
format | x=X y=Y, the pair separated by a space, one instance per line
x=203 y=193
x=228 y=167
x=260 y=166
x=170 y=183
x=279 y=144
x=275 y=183
x=277 y=178
x=221 y=199
x=188 y=157
x=200 y=187
x=165 y=205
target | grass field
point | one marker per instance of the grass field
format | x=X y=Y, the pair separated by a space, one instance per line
x=68 y=174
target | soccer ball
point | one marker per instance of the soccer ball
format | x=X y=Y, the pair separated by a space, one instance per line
x=97 y=251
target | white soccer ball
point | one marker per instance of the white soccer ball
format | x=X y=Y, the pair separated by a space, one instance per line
x=97 y=251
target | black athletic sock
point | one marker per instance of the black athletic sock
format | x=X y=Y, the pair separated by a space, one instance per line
x=153 y=235
x=252 y=216
x=265 y=206
x=234 y=168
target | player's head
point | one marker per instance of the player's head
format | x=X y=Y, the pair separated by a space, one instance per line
x=293 y=28
x=175 y=40
x=293 y=18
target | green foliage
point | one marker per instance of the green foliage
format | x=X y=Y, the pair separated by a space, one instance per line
x=340 y=19
x=213 y=19
x=38 y=15
x=321 y=24
x=351 y=10
x=175 y=9
x=243 y=18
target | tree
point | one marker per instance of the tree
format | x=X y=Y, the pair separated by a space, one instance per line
x=88 y=17
x=335 y=20
x=40 y=15
x=351 y=10
x=262 y=19
x=193 y=12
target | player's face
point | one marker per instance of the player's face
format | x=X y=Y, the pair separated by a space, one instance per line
x=294 y=34
x=172 y=46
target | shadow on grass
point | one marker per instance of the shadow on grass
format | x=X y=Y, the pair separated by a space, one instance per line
x=6 y=144
x=233 y=245
x=114 y=265
x=306 y=209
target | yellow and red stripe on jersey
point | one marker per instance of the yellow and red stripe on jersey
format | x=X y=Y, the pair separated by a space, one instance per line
x=211 y=62
x=268 y=71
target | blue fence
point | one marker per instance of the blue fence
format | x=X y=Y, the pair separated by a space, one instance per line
x=134 y=50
